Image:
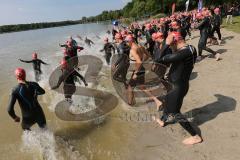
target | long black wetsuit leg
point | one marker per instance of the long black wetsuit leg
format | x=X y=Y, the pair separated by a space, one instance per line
x=217 y=29
x=108 y=57
x=121 y=71
x=173 y=104
x=202 y=46
x=37 y=74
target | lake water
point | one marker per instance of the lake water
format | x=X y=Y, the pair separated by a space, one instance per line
x=112 y=139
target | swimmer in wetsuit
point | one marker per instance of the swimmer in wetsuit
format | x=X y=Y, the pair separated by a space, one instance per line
x=68 y=77
x=88 y=42
x=108 y=48
x=182 y=63
x=36 y=66
x=71 y=52
x=120 y=67
x=26 y=94
x=216 y=25
x=203 y=26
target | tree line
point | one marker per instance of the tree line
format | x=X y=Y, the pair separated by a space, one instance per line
x=134 y=9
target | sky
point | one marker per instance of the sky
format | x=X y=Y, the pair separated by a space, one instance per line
x=30 y=11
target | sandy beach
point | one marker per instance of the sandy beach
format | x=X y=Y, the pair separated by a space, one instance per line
x=213 y=101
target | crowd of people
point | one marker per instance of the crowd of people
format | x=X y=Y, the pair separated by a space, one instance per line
x=160 y=41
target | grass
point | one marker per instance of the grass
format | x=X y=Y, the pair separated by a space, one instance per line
x=235 y=27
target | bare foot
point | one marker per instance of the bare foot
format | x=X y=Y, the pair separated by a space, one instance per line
x=193 y=140
x=217 y=57
x=161 y=123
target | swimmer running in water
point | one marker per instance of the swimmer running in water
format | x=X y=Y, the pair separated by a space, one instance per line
x=26 y=93
x=89 y=42
x=36 y=66
x=68 y=77
x=182 y=62
x=108 y=48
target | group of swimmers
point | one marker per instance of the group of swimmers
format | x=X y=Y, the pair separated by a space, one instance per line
x=163 y=43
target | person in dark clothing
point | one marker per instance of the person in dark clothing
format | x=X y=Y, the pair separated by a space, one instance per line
x=36 y=66
x=114 y=32
x=71 y=52
x=203 y=26
x=148 y=33
x=187 y=25
x=120 y=67
x=68 y=77
x=108 y=48
x=89 y=42
x=216 y=24
x=182 y=63
x=26 y=93
x=176 y=26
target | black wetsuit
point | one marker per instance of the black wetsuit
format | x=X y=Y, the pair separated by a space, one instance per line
x=135 y=33
x=122 y=64
x=36 y=67
x=114 y=32
x=89 y=42
x=187 y=25
x=32 y=113
x=72 y=54
x=179 y=75
x=150 y=42
x=216 y=26
x=203 y=26
x=68 y=77
x=108 y=48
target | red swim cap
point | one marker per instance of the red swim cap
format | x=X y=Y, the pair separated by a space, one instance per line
x=162 y=19
x=148 y=26
x=199 y=16
x=157 y=35
x=118 y=36
x=129 y=38
x=174 y=24
x=216 y=10
x=20 y=74
x=34 y=55
x=177 y=36
x=124 y=33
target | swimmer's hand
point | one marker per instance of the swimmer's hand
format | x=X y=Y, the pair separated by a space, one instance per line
x=17 y=119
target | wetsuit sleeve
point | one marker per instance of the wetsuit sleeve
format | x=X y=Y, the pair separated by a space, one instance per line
x=201 y=24
x=26 y=61
x=63 y=45
x=12 y=102
x=81 y=48
x=39 y=90
x=170 y=58
x=165 y=51
x=79 y=75
x=43 y=62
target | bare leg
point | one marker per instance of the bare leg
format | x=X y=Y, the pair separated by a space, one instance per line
x=151 y=96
